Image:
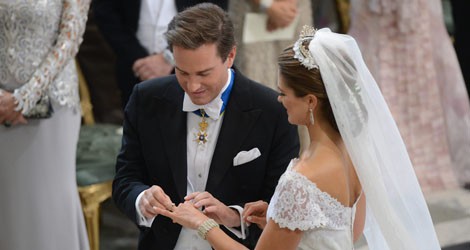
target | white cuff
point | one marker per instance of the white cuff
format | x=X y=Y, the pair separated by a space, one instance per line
x=141 y=220
x=265 y=4
x=244 y=228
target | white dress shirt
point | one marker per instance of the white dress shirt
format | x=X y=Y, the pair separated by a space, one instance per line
x=153 y=23
x=199 y=157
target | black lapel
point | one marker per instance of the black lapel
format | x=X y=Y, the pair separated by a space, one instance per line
x=239 y=119
x=173 y=125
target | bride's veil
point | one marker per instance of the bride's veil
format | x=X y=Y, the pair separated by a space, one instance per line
x=397 y=215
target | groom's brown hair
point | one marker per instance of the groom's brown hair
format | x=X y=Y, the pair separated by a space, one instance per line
x=201 y=24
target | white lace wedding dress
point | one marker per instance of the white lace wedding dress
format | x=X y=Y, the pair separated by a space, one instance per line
x=298 y=203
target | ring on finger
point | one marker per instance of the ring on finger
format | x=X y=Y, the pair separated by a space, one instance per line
x=172 y=207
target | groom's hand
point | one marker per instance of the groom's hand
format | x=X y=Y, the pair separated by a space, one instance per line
x=215 y=209
x=153 y=198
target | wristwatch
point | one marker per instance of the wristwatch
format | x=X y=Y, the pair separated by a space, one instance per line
x=168 y=56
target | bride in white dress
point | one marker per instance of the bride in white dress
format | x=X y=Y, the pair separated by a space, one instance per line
x=356 y=152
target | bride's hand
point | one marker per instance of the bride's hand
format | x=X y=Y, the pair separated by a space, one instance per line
x=185 y=214
x=255 y=212
x=215 y=209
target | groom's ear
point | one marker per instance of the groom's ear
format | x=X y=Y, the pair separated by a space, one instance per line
x=231 y=57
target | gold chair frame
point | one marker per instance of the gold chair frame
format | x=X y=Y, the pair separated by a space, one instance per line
x=91 y=196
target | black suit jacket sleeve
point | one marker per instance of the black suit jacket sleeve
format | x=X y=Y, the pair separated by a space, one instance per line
x=143 y=161
x=130 y=178
x=118 y=22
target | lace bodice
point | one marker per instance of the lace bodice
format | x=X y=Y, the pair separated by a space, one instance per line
x=38 y=41
x=298 y=203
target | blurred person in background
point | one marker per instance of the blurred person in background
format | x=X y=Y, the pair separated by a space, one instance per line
x=134 y=29
x=40 y=117
x=462 y=38
x=409 y=52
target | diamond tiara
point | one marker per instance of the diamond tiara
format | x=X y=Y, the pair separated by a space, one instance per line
x=302 y=53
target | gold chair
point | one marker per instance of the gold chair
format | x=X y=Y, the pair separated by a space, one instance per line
x=85 y=100
x=94 y=171
x=91 y=197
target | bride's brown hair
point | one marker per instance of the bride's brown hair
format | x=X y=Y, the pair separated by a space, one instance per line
x=304 y=81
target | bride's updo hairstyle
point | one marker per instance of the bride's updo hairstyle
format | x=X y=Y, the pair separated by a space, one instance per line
x=305 y=81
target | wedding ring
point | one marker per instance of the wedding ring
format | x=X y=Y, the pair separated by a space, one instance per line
x=172 y=208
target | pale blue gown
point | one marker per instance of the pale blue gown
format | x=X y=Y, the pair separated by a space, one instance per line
x=39 y=204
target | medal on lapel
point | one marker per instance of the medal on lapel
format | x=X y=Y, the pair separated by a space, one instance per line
x=201 y=136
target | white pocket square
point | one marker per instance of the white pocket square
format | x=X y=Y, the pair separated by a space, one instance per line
x=246 y=156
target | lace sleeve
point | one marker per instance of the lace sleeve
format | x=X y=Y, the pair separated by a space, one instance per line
x=298 y=204
x=71 y=29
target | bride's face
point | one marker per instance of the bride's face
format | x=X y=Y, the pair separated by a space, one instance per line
x=296 y=107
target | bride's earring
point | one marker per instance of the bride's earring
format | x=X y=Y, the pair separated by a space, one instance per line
x=312 y=119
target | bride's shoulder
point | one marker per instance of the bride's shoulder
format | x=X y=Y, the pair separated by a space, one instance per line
x=327 y=172
x=308 y=197
x=318 y=166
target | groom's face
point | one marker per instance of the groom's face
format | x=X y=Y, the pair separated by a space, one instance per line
x=201 y=72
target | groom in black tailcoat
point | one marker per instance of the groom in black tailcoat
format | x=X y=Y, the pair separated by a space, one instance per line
x=206 y=131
